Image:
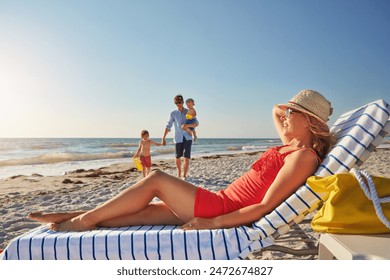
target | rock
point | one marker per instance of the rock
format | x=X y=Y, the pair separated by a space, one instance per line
x=67 y=181
x=79 y=171
x=93 y=175
x=16 y=176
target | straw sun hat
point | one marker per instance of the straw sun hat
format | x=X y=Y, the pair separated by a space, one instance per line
x=312 y=103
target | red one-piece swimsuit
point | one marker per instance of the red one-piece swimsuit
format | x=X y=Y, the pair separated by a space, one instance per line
x=247 y=190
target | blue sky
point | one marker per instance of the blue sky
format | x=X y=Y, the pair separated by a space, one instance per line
x=111 y=68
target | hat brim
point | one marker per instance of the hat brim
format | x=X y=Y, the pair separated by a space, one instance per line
x=300 y=109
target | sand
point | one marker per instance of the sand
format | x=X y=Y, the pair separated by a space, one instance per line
x=84 y=189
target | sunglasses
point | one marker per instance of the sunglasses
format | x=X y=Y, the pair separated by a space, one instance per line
x=288 y=112
x=179 y=102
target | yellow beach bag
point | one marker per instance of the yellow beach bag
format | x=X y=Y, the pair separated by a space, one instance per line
x=354 y=203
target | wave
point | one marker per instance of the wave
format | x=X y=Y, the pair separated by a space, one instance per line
x=63 y=157
x=163 y=151
x=247 y=148
x=254 y=147
x=273 y=140
x=121 y=145
x=51 y=158
x=6 y=147
x=234 y=148
x=44 y=146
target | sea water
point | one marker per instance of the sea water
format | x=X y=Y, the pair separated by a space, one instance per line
x=54 y=156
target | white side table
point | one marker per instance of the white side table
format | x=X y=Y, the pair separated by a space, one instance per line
x=354 y=247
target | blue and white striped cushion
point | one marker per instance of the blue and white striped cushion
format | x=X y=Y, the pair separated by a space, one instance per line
x=131 y=243
x=357 y=131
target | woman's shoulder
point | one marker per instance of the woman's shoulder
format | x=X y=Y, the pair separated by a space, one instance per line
x=304 y=155
x=311 y=152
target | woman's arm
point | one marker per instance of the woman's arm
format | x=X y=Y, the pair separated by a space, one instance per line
x=278 y=115
x=292 y=175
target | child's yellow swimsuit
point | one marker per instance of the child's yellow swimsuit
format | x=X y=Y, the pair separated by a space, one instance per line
x=189 y=120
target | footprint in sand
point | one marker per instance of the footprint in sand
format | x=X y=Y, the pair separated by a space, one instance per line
x=47 y=197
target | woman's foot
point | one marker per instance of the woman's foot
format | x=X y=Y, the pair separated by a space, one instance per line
x=75 y=224
x=53 y=217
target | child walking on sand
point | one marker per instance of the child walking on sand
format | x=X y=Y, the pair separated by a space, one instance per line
x=144 y=152
x=190 y=118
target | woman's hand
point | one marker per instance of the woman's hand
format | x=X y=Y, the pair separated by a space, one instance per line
x=201 y=223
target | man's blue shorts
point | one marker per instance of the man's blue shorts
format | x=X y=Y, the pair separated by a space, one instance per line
x=184 y=147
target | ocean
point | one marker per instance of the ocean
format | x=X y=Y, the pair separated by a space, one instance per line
x=54 y=156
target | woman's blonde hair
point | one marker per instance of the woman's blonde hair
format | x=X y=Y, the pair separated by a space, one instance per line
x=323 y=139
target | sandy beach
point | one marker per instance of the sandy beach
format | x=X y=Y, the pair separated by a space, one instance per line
x=84 y=189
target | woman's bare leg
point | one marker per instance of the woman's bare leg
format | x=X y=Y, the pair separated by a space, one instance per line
x=154 y=214
x=178 y=196
x=53 y=217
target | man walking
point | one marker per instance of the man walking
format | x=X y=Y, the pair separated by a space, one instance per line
x=182 y=140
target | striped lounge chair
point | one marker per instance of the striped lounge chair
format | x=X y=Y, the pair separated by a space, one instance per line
x=358 y=133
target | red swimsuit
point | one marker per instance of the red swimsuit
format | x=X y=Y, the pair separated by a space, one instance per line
x=247 y=190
